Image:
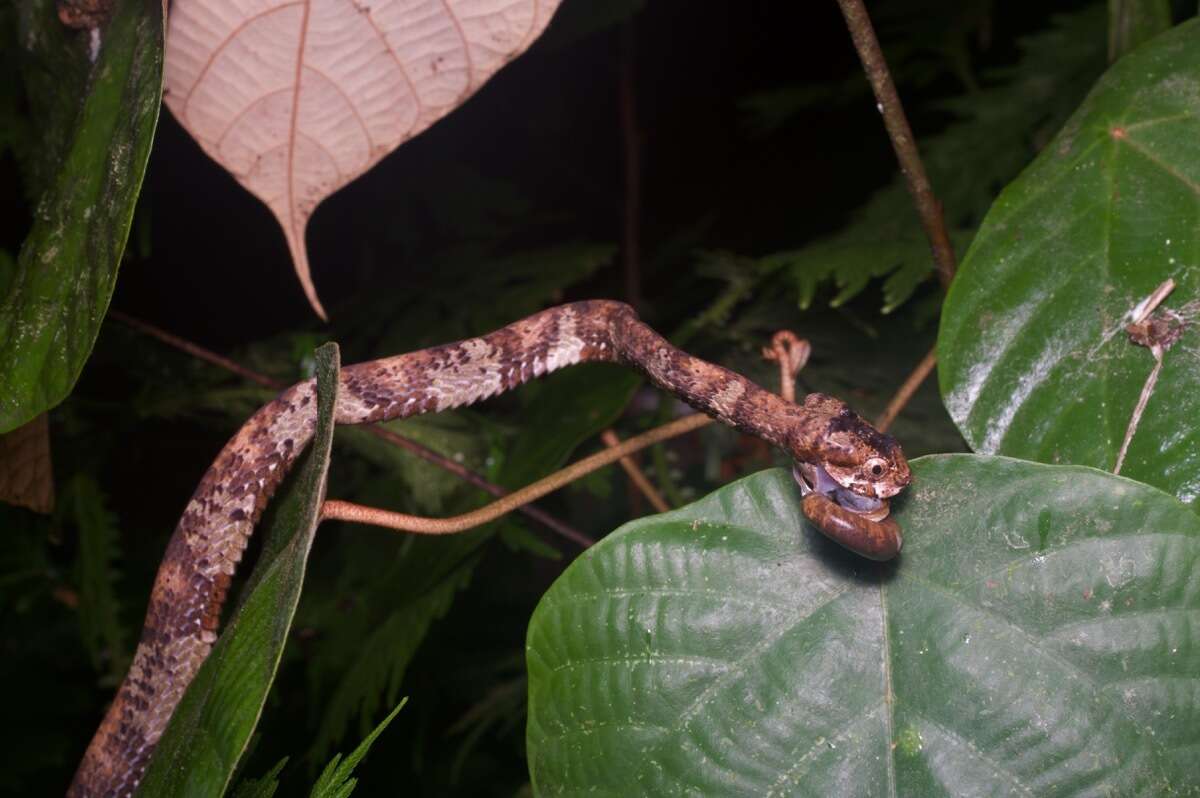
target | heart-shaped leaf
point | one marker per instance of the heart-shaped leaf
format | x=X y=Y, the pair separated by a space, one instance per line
x=1033 y=358
x=296 y=98
x=211 y=727
x=1036 y=637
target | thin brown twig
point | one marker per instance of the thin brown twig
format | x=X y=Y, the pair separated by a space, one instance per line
x=928 y=206
x=348 y=511
x=636 y=475
x=791 y=353
x=1140 y=408
x=1150 y=304
x=420 y=450
x=196 y=351
x=906 y=390
x=467 y=475
x=1157 y=347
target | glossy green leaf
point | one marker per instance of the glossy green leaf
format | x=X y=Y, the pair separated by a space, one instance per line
x=67 y=267
x=1037 y=636
x=1033 y=359
x=210 y=729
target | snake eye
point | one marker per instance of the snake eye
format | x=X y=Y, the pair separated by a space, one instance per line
x=876 y=466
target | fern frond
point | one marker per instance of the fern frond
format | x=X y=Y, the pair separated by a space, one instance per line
x=373 y=678
x=999 y=128
x=96 y=574
x=263 y=787
x=335 y=781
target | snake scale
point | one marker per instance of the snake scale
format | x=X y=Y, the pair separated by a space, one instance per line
x=847 y=470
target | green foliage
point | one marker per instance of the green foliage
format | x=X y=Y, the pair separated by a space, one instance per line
x=372 y=679
x=367 y=647
x=68 y=264
x=335 y=781
x=923 y=41
x=1029 y=636
x=855 y=355
x=264 y=787
x=472 y=292
x=995 y=131
x=83 y=503
x=370 y=647
x=500 y=711
x=400 y=593
x=430 y=489
x=48 y=71
x=580 y=402
x=1035 y=613
x=1034 y=359
x=518 y=538
x=212 y=725
x=41 y=656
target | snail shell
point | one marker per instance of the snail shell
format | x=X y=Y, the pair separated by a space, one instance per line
x=875 y=540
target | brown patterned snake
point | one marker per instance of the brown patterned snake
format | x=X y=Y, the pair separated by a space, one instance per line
x=848 y=471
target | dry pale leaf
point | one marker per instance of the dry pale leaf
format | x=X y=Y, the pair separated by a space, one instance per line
x=26 y=478
x=296 y=98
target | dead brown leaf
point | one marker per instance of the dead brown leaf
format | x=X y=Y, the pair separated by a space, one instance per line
x=26 y=479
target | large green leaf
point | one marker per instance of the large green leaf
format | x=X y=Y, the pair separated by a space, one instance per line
x=1037 y=636
x=210 y=729
x=56 y=301
x=1033 y=359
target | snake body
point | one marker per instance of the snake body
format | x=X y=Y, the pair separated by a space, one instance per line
x=194 y=576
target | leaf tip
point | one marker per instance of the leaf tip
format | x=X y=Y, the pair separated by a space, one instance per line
x=299 y=252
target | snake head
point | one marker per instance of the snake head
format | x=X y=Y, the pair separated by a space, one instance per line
x=853 y=463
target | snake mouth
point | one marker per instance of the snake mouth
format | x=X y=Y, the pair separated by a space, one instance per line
x=815 y=479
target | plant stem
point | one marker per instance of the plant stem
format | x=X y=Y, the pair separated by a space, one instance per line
x=907 y=389
x=791 y=353
x=636 y=475
x=928 y=206
x=196 y=351
x=347 y=511
x=1157 y=348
